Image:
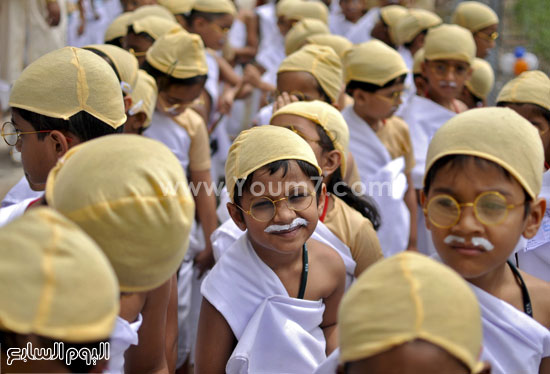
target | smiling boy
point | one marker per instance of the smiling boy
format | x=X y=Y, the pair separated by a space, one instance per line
x=479 y=197
x=274 y=276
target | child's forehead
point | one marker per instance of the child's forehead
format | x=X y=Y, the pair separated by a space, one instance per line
x=292 y=173
x=468 y=173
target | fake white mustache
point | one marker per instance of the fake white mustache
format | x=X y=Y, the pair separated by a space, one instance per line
x=476 y=242
x=447 y=84
x=294 y=224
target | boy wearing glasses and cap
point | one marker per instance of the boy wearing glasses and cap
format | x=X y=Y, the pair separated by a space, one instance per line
x=44 y=126
x=448 y=52
x=380 y=142
x=528 y=96
x=274 y=275
x=482 y=22
x=479 y=198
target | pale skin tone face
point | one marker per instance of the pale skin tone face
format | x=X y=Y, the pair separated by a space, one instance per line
x=416 y=357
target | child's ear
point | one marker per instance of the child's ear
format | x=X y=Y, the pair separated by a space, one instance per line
x=60 y=143
x=331 y=161
x=237 y=216
x=127 y=103
x=534 y=218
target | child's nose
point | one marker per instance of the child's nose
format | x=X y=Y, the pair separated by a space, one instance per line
x=467 y=222
x=283 y=213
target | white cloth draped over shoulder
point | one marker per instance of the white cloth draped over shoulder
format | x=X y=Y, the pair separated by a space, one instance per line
x=21 y=191
x=360 y=32
x=513 y=342
x=275 y=333
x=383 y=179
x=14 y=211
x=424 y=118
x=534 y=258
x=124 y=335
x=271 y=49
x=228 y=233
x=164 y=129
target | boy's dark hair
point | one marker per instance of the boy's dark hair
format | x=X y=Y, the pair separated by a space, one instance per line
x=363 y=204
x=545 y=113
x=82 y=124
x=194 y=14
x=164 y=80
x=143 y=34
x=370 y=87
x=409 y=44
x=10 y=339
x=116 y=42
x=460 y=161
x=308 y=169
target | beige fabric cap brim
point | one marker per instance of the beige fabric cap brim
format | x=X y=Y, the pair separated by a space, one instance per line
x=55 y=281
x=490 y=133
x=404 y=298
x=373 y=62
x=260 y=146
x=81 y=81
x=215 y=6
x=450 y=42
x=130 y=194
x=321 y=62
x=482 y=80
x=530 y=87
x=474 y=16
x=326 y=116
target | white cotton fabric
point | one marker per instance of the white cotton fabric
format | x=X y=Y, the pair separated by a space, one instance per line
x=14 y=211
x=164 y=129
x=257 y=307
x=513 y=342
x=228 y=233
x=424 y=118
x=21 y=191
x=376 y=168
x=124 y=335
x=360 y=32
x=534 y=258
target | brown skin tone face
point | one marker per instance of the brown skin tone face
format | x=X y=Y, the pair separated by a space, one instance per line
x=353 y=9
x=177 y=97
x=213 y=33
x=381 y=32
x=138 y=45
x=484 y=42
x=530 y=113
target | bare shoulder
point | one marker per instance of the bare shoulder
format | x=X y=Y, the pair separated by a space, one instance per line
x=539 y=291
x=327 y=256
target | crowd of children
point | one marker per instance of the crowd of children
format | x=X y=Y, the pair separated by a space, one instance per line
x=300 y=187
